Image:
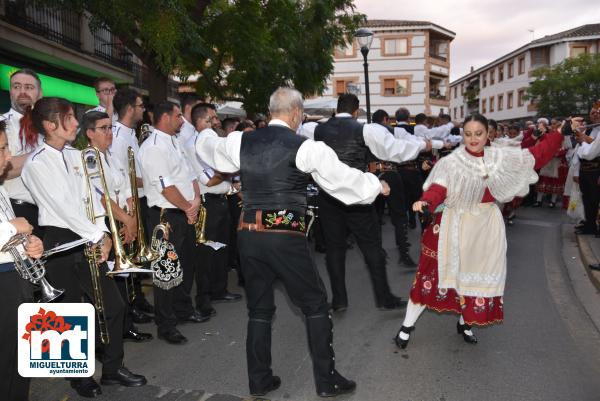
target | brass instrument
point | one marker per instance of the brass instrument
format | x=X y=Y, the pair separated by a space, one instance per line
x=201 y=225
x=30 y=269
x=145 y=131
x=92 y=166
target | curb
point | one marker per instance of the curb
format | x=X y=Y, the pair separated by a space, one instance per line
x=588 y=257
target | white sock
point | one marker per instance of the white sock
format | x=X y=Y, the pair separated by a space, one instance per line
x=461 y=321
x=553 y=199
x=540 y=196
x=413 y=311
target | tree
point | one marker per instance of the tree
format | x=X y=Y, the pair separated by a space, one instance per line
x=243 y=49
x=568 y=88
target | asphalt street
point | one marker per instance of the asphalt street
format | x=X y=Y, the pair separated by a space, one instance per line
x=548 y=349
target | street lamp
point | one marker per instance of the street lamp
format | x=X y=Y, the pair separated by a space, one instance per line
x=364 y=37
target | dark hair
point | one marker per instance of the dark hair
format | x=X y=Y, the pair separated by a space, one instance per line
x=123 y=98
x=402 y=114
x=347 y=103
x=199 y=111
x=52 y=109
x=493 y=124
x=258 y=122
x=209 y=105
x=379 y=116
x=27 y=71
x=243 y=125
x=99 y=80
x=149 y=108
x=476 y=117
x=3 y=126
x=445 y=117
x=514 y=127
x=89 y=120
x=163 y=108
x=230 y=122
x=420 y=118
x=188 y=99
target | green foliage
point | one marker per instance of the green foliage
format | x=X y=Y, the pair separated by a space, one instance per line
x=568 y=88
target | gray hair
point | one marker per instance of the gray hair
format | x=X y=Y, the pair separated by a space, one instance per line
x=285 y=100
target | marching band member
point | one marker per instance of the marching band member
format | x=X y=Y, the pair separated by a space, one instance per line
x=25 y=90
x=55 y=176
x=352 y=141
x=105 y=92
x=13 y=288
x=275 y=165
x=173 y=194
x=462 y=268
x=97 y=128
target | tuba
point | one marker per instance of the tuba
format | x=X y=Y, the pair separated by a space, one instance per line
x=30 y=269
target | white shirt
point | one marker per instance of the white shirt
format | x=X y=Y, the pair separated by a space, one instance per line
x=15 y=187
x=379 y=141
x=123 y=138
x=7 y=230
x=202 y=170
x=119 y=185
x=589 y=151
x=57 y=183
x=186 y=131
x=349 y=185
x=401 y=133
x=164 y=164
x=440 y=132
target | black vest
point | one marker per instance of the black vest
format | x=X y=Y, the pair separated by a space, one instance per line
x=409 y=128
x=270 y=179
x=345 y=137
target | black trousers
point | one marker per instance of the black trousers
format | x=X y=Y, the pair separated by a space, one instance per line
x=15 y=291
x=215 y=263
x=169 y=305
x=413 y=185
x=70 y=271
x=267 y=257
x=234 y=215
x=590 y=195
x=361 y=220
x=396 y=202
x=30 y=212
x=123 y=287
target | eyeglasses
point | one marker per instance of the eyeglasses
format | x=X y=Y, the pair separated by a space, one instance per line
x=141 y=106
x=107 y=91
x=104 y=128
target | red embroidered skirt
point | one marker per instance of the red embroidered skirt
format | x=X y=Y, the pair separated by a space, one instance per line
x=551 y=185
x=475 y=310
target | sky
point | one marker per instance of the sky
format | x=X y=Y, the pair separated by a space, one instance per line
x=487 y=29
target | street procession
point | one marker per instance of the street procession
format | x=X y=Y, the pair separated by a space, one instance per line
x=297 y=200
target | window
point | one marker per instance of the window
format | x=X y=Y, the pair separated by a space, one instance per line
x=540 y=56
x=520 y=98
x=500 y=102
x=395 y=47
x=395 y=86
x=462 y=111
x=455 y=90
x=345 y=51
x=511 y=69
x=341 y=85
x=521 y=65
x=491 y=105
x=455 y=114
x=462 y=89
x=484 y=79
x=509 y=100
x=483 y=106
x=577 y=51
x=492 y=76
x=501 y=73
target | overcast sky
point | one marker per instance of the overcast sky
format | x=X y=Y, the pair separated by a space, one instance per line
x=487 y=29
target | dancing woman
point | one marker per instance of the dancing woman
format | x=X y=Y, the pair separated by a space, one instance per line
x=462 y=268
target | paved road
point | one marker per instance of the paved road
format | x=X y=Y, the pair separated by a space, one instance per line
x=547 y=349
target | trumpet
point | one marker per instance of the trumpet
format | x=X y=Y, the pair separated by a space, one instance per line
x=30 y=269
x=200 y=225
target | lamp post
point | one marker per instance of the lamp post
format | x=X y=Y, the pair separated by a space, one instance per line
x=364 y=37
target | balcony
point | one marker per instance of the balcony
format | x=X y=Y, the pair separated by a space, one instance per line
x=60 y=26
x=110 y=49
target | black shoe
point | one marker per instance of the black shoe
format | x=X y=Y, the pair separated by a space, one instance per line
x=595 y=267
x=86 y=387
x=537 y=204
x=195 y=317
x=139 y=317
x=338 y=386
x=339 y=308
x=406 y=260
x=275 y=384
x=320 y=249
x=144 y=305
x=461 y=328
x=173 y=337
x=123 y=377
x=585 y=231
x=227 y=297
x=400 y=343
x=137 y=336
x=580 y=226
x=392 y=303
x=210 y=312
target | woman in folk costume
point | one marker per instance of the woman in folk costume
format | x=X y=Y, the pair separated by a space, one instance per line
x=462 y=268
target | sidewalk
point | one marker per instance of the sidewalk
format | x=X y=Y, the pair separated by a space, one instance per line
x=589 y=246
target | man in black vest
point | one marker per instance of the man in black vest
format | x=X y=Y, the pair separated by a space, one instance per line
x=274 y=165
x=352 y=141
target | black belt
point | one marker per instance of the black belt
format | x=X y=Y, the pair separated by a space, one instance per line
x=215 y=196
x=273 y=221
x=168 y=210
x=22 y=202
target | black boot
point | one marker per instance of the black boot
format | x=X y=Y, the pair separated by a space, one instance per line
x=258 y=355
x=328 y=381
x=406 y=260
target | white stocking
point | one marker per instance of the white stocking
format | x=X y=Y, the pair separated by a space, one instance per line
x=540 y=196
x=413 y=311
x=553 y=199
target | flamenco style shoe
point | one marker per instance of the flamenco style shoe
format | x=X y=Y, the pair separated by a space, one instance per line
x=400 y=343
x=461 y=328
